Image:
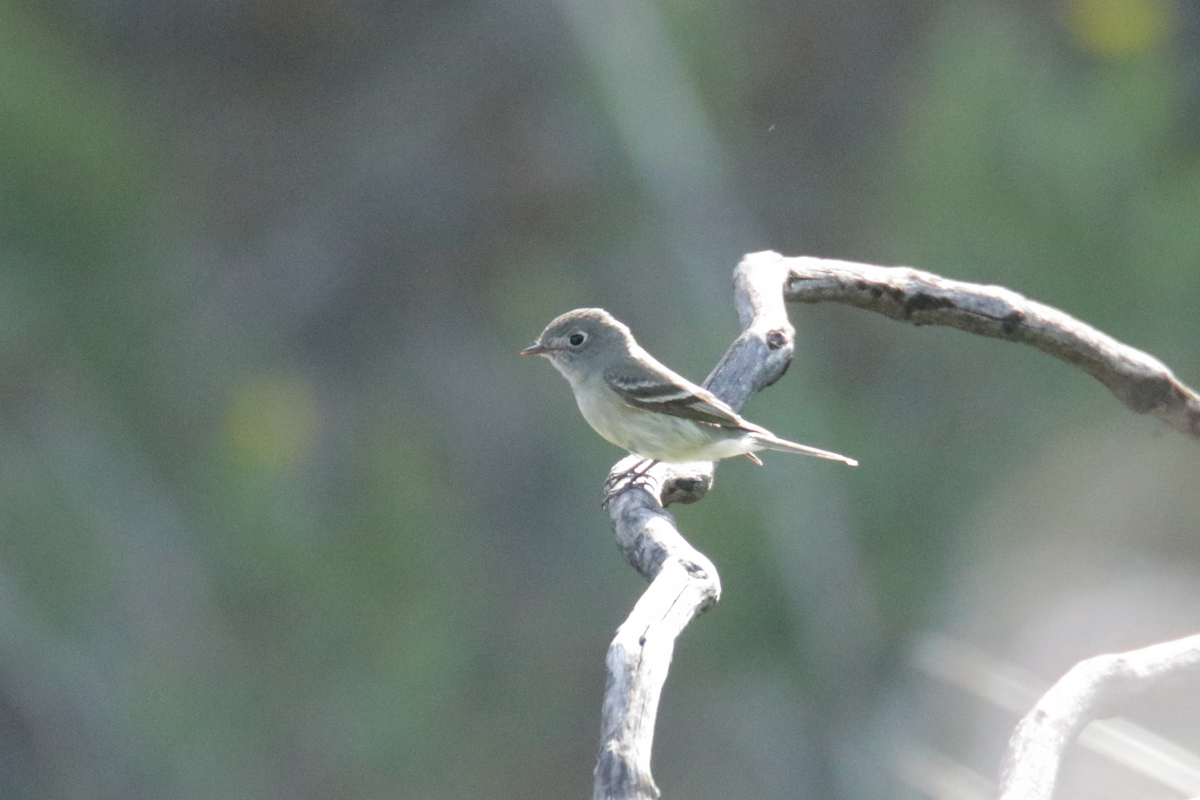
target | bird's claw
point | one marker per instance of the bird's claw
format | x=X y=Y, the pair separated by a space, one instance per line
x=636 y=477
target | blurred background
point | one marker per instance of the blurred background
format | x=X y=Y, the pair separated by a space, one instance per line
x=283 y=515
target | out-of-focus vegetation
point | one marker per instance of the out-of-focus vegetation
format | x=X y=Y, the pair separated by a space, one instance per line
x=283 y=515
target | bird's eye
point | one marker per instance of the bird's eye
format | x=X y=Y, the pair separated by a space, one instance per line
x=577 y=338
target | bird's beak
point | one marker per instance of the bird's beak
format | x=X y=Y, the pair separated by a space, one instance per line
x=535 y=349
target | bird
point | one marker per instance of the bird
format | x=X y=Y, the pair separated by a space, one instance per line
x=637 y=403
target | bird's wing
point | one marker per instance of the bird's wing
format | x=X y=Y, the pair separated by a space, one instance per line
x=659 y=389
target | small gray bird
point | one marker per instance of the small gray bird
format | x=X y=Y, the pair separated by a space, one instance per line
x=637 y=403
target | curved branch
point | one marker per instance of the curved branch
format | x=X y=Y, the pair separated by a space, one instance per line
x=1140 y=381
x=683 y=582
x=1092 y=689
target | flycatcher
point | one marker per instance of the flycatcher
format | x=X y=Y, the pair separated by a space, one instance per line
x=639 y=404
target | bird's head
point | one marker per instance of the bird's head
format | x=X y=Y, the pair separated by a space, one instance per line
x=590 y=335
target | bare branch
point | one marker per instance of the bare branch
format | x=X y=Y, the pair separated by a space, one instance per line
x=763 y=351
x=1092 y=689
x=1009 y=687
x=683 y=581
x=1140 y=381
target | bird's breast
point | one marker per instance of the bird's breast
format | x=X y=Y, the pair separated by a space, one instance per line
x=609 y=416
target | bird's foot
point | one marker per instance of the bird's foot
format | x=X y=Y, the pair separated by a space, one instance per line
x=636 y=476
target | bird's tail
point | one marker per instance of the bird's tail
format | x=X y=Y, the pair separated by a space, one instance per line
x=783 y=445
